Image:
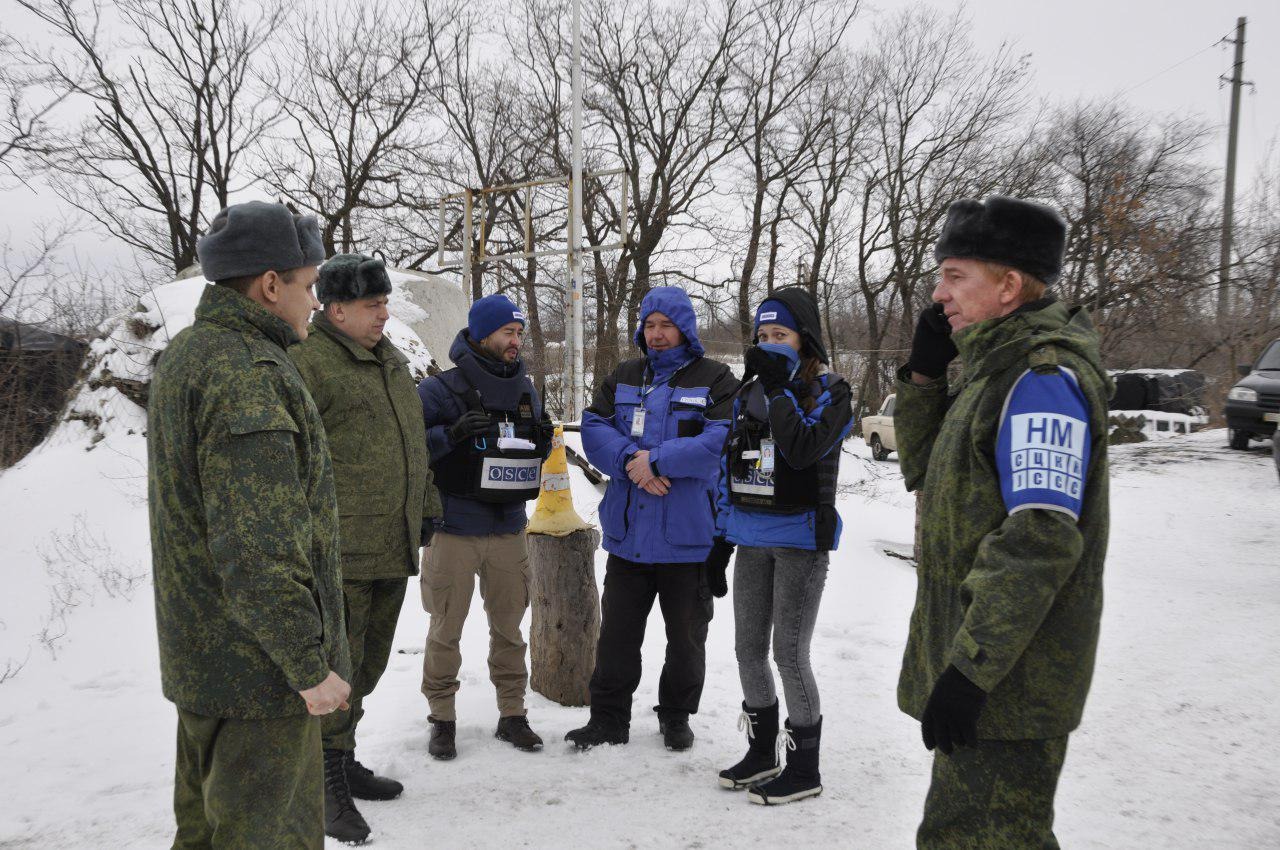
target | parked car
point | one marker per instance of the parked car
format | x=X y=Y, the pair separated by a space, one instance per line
x=878 y=431
x=1253 y=404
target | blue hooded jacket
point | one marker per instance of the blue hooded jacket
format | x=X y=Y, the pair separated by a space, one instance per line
x=501 y=385
x=686 y=398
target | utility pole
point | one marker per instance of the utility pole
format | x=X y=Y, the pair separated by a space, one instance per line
x=575 y=382
x=1229 y=195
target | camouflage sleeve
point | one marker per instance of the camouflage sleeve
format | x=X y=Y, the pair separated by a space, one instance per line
x=917 y=418
x=1014 y=580
x=259 y=534
x=1041 y=454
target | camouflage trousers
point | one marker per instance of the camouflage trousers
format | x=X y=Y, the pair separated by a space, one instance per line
x=996 y=796
x=248 y=783
x=372 y=608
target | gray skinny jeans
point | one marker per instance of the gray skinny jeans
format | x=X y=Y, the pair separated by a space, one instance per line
x=778 y=590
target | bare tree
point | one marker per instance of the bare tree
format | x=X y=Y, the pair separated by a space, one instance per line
x=656 y=89
x=29 y=98
x=354 y=139
x=944 y=118
x=171 y=114
x=789 y=65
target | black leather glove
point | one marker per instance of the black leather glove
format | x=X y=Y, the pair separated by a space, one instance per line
x=428 y=531
x=931 y=347
x=951 y=714
x=717 y=565
x=473 y=423
x=546 y=431
x=772 y=372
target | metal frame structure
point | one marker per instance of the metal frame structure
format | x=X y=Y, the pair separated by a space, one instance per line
x=476 y=200
x=474 y=205
x=575 y=377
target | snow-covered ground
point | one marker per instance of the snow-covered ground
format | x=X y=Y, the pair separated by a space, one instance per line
x=1178 y=747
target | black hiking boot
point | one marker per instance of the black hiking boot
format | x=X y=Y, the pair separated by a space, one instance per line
x=761 y=761
x=366 y=785
x=341 y=818
x=596 y=733
x=441 y=745
x=516 y=732
x=676 y=734
x=800 y=779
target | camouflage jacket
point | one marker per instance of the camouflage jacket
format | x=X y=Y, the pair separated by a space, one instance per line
x=1009 y=579
x=244 y=520
x=369 y=403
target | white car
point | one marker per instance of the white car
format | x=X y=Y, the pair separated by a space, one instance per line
x=878 y=431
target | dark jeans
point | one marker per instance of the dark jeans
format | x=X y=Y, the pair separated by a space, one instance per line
x=776 y=594
x=629 y=591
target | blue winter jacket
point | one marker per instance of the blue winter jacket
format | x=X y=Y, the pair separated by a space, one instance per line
x=500 y=385
x=687 y=399
x=801 y=439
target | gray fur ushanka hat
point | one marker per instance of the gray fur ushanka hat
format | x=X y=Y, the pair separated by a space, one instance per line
x=346 y=277
x=256 y=237
x=1029 y=237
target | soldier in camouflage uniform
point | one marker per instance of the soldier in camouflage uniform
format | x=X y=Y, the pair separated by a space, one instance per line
x=244 y=530
x=386 y=499
x=1011 y=462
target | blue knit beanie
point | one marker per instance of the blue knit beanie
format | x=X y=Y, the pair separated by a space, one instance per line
x=771 y=312
x=490 y=313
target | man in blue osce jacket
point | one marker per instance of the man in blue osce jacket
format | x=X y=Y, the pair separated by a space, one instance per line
x=488 y=436
x=656 y=427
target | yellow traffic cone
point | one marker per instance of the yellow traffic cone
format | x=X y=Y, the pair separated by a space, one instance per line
x=554 y=513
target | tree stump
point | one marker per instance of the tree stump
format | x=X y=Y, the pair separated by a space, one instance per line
x=566 y=615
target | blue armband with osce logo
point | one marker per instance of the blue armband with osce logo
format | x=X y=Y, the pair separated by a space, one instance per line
x=1042 y=448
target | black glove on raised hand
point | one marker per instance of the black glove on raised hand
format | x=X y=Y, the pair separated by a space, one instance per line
x=932 y=347
x=951 y=714
x=546 y=431
x=470 y=424
x=717 y=565
x=772 y=372
x=428 y=531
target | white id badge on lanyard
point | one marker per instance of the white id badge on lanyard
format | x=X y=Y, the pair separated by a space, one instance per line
x=506 y=429
x=766 y=456
x=637 y=422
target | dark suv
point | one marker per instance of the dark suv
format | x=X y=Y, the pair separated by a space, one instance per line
x=1253 y=405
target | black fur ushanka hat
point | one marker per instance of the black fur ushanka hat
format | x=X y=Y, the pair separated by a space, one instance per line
x=1029 y=237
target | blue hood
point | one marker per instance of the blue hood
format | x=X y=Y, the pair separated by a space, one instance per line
x=673 y=302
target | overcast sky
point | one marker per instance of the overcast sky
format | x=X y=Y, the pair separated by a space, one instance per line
x=1104 y=48
x=1158 y=55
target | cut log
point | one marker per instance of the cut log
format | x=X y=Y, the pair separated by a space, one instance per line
x=566 y=615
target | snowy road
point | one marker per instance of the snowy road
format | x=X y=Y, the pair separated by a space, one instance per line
x=1178 y=748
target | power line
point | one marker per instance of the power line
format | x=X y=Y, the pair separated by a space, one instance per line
x=1175 y=65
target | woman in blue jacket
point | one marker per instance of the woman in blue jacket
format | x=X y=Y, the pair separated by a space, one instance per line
x=777 y=505
x=656 y=428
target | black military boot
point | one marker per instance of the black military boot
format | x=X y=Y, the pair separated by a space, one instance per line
x=516 y=732
x=366 y=785
x=800 y=779
x=442 y=744
x=598 y=732
x=341 y=818
x=676 y=734
x=761 y=761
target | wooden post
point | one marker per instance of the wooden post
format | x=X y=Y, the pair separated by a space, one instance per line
x=566 y=615
x=562 y=588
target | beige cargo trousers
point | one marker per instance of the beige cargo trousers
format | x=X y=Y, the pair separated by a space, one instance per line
x=450 y=566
